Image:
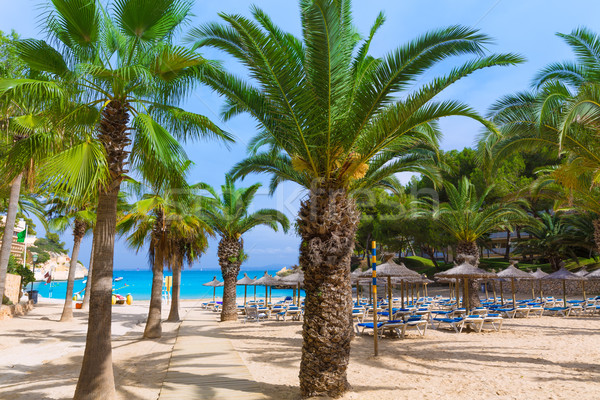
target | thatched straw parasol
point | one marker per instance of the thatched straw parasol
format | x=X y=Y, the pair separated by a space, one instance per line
x=539 y=274
x=295 y=280
x=402 y=274
x=390 y=269
x=266 y=280
x=564 y=275
x=466 y=271
x=214 y=283
x=593 y=275
x=425 y=281
x=582 y=272
x=246 y=280
x=511 y=272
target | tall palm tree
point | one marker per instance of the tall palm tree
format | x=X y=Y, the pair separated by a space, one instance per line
x=189 y=237
x=228 y=215
x=81 y=219
x=335 y=119
x=561 y=113
x=159 y=219
x=129 y=77
x=467 y=218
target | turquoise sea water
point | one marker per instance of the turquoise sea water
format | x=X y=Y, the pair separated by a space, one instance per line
x=139 y=283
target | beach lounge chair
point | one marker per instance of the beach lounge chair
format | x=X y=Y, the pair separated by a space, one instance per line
x=521 y=311
x=557 y=311
x=415 y=323
x=454 y=323
x=474 y=322
x=536 y=311
x=253 y=315
x=366 y=325
x=507 y=312
x=494 y=321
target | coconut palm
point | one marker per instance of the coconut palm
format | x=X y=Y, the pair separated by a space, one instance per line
x=229 y=216
x=81 y=219
x=27 y=141
x=122 y=64
x=562 y=113
x=335 y=119
x=555 y=237
x=189 y=238
x=467 y=218
x=159 y=219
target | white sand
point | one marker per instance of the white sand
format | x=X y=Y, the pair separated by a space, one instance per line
x=40 y=357
x=534 y=358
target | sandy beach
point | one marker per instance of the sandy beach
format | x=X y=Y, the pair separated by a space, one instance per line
x=40 y=357
x=533 y=358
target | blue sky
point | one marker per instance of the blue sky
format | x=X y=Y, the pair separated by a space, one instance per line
x=524 y=27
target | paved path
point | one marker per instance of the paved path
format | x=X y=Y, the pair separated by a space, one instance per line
x=205 y=366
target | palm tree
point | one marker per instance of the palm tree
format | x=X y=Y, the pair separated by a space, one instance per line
x=189 y=237
x=335 y=119
x=552 y=237
x=81 y=219
x=128 y=75
x=562 y=113
x=228 y=215
x=467 y=218
x=159 y=219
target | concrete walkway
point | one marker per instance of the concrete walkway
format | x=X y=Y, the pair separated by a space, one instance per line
x=205 y=366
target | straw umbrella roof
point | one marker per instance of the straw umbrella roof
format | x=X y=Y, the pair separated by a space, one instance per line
x=367 y=282
x=292 y=279
x=246 y=280
x=213 y=283
x=512 y=272
x=220 y=284
x=424 y=279
x=594 y=275
x=582 y=272
x=266 y=280
x=465 y=270
x=390 y=268
x=538 y=274
x=565 y=274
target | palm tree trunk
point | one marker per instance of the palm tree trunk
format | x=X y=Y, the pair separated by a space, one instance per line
x=88 y=283
x=229 y=259
x=327 y=224
x=153 y=327
x=597 y=234
x=78 y=232
x=507 y=251
x=174 y=312
x=96 y=379
x=470 y=249
x=9 y=229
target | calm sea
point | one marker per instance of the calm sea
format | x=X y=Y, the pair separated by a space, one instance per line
x=139 y=284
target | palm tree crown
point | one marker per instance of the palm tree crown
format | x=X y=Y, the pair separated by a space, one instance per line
x=466 y=216
x=327 y=109
x=228 y=213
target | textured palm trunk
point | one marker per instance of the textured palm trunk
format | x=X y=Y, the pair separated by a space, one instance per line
x=78 y=232
x=153 y=327
x=470 y=249
x=9 y=229
x=597 y=234
x=229 y=259
x=96 y=379
x=507 y=251
x=88 y=284
x=327 y=224
x=174 y=312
